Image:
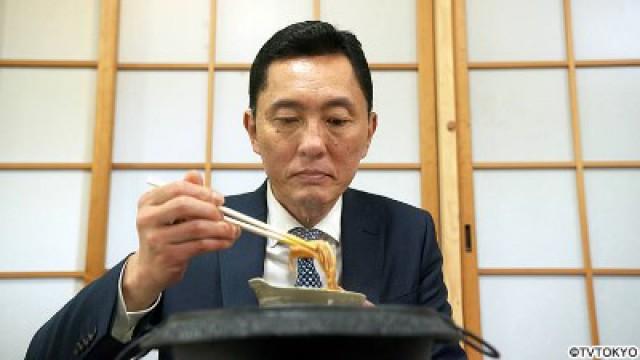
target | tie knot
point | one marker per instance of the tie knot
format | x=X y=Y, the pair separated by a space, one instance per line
x=307 y=234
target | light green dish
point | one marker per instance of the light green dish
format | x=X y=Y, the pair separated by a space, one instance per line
x=273 y=296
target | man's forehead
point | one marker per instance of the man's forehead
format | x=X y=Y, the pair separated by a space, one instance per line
x=332 y=72
x=303 y=65
x=300 y=65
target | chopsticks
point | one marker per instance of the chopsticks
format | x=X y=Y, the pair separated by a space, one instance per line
x=254 y=225
x=260 y=228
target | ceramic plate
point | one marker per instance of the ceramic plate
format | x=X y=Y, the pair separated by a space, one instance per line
x=269 y=295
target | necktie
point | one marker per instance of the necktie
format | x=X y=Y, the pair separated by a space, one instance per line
x=307 y=274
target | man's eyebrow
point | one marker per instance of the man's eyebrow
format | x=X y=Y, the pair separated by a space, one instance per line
x=283 y=103
x=340 y=101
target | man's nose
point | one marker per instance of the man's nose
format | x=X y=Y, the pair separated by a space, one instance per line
x=312 y=140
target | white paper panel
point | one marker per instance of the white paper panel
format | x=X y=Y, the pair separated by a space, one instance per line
x=152 y=355
x=244 y=25
x=386 y=28
x=44 y=219
x=231 y=182
x=401 y=185
x=126 y=188
x=618 y=309
x=164 y=31
x=501 y=30
x=47 y=115
x=25 y=305
x=613 y=205
x=527 y=218
x=606 y=29
x=610 y=112
x=396 y=102
x=520 y=115
x=531 y=317
x=161 y=116
x=231 y=99
x=43 y=29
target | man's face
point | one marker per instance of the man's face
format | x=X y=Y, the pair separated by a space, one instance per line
x=311 y=129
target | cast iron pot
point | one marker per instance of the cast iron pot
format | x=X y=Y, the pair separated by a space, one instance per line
x=383 y=332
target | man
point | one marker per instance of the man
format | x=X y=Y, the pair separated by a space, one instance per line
x=310 y=120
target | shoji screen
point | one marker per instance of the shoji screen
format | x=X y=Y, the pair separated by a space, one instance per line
x=181 y=75
x=180 y=96
x=48 y=56
x=549 y=91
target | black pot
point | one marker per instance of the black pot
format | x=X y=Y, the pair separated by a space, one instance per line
x=383 y=332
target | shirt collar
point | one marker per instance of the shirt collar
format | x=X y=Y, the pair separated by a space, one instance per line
x=279 y=217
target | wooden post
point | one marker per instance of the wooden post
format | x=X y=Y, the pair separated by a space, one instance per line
x=470 y=283
x=211 y=85
x=577 y=150
x=102 y=140
x=448 y=155
x=427 y=110
x=316 y=10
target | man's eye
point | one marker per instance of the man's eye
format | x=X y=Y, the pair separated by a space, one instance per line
x=337 y=122
x=287 y=120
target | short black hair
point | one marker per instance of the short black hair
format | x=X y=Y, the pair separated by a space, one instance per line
x=309 y=38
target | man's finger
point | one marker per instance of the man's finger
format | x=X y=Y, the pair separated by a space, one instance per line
x=194 y=177
x=199 y=229
x=180 y=188
x=188 y=249
x=180 y=209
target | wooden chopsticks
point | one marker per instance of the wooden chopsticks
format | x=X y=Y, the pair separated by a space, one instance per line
x=254 y=225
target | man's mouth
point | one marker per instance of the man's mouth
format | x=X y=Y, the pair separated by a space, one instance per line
x=310 y=175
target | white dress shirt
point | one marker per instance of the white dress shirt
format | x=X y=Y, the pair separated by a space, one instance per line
x=276 y=261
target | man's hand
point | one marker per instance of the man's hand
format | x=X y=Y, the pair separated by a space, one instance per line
x=175 y=223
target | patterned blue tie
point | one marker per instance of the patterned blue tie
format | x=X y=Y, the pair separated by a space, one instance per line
x=307 y=274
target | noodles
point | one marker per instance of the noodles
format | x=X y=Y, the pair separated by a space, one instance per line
x=323 y=253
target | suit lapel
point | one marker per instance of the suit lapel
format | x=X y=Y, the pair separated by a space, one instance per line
x=245 y=259
x=362 y=244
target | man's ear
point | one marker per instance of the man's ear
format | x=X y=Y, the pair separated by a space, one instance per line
x=250 y=125
x=372 y=125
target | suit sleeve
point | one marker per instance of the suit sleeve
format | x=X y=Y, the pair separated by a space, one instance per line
x=82 y=328
x=433 y=292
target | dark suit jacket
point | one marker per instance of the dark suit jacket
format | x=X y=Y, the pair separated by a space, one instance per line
x=389 y=253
